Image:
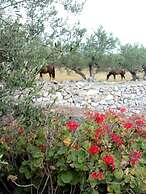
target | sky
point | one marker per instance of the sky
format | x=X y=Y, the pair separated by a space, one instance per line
x=125 y=19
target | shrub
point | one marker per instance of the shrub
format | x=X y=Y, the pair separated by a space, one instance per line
x=101 y=153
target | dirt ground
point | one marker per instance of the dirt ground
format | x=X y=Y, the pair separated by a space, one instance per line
x=62 y=75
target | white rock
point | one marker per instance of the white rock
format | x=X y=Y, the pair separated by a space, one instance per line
x=109 y=97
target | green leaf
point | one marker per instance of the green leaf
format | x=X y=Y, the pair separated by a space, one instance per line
x=79 y=166
x=50 y=154
x=37 y=154
x=118 y=174
x=59 y=181
x=27 y=174
x=72 y=156
x=19 y=190
x=62 y=150
x=116 y=188
x=82 y=155
x=94 y=192
x=75 y=178
x=61 y=164
x=66 y=176
x=26 y=171
x=37 y=162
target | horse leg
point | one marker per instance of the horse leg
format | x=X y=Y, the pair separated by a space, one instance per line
x=50 y=76
x=122 y=76
x=108 y=75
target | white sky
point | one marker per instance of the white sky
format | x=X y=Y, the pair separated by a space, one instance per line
x=126 y=19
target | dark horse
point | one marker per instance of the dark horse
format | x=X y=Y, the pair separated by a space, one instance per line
x=48 y=69
x=116 y=72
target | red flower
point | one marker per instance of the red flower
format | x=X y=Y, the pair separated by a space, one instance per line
x=93 y=149
x=99 y=118
x=97 y=175
x=72 y=125
x=135 y=157
x=93 y=175
x=128 y=125
x=98 y=133
x=117 y=139
x=140 y=122
x=140 y=131
x=144 y=134
x=100 y=175
x=122 y=109
x=101 y=131
x=109 y=161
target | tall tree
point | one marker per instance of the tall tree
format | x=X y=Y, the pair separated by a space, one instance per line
x=100 y=45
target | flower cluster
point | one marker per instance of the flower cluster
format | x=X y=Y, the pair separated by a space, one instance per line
x=97 y=175
x=99 y=132
x=135 y=157
x=116 y=139
x=109 y=139
x=127 y=125
x=109 y=161
x=102 y=150
x=93 y=149
x=72 y=125
x=99 y=118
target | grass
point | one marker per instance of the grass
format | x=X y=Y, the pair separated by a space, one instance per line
x=62 y=75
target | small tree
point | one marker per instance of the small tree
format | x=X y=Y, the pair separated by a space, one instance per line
x=134 y=56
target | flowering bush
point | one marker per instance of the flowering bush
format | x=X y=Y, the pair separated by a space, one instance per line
x=102 y=153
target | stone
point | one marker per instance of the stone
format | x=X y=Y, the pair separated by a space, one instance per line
x=109 y=97
x=96 y=95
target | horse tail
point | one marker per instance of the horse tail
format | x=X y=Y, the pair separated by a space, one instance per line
x=53 y=72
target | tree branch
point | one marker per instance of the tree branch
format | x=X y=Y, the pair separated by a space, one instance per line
x=79 y=72
x=24 y=186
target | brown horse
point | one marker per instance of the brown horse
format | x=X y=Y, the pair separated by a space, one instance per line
x=116 y=72
x=48 y=69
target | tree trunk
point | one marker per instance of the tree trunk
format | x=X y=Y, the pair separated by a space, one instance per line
x=134 y=76
x=79 y=72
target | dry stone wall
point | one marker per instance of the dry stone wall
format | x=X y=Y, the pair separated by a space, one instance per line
x=95 y=95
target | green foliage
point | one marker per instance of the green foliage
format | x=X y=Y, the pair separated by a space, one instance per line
x=99 y=44
x=73 y=157
x=25 y=46
x=134 y=55
x=40 y=151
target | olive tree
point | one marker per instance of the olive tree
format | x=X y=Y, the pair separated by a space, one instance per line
x=32 y=33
